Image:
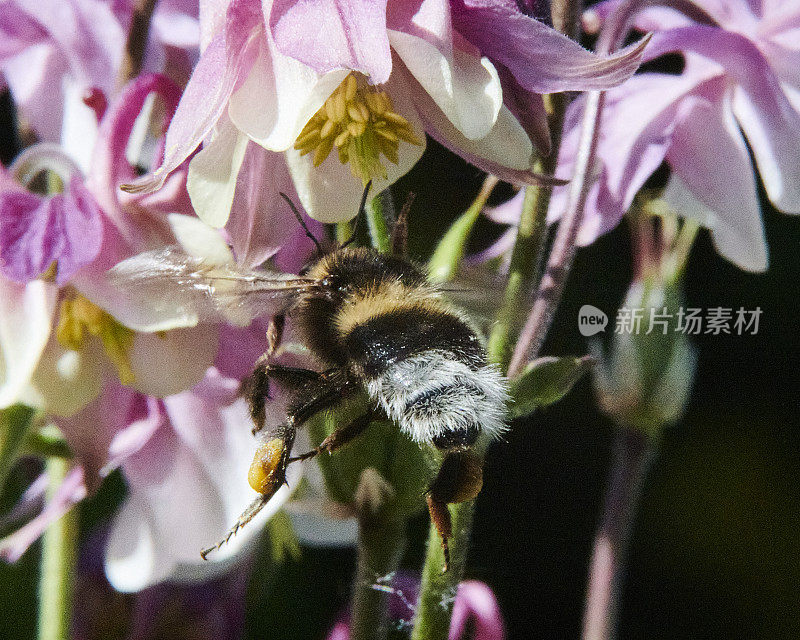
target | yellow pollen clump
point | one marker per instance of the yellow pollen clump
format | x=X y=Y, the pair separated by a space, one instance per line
x=264 y=474
x=359 y=120
x=79 y=317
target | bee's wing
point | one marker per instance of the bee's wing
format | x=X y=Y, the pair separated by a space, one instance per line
x=479 y=293
x=166 y=288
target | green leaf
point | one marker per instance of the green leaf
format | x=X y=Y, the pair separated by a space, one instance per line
x=15 y=421
x=282 y=538
x=447 y=257
x=545 y=381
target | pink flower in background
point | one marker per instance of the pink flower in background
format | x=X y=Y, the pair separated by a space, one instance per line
x=475 y=608
x=54 y=51
x=739 y=88
x=367 y=86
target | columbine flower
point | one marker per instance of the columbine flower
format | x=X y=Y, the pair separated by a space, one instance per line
x=739 y=74
x=184 y=460
x=71 y=238
x=54 y=52
x=352 y=102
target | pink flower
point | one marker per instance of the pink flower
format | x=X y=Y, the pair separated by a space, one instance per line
x=739 y=78
x=474 y=603
x=367 y=85
x=74 y=330
x=55 y=51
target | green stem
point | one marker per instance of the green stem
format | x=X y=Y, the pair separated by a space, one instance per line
x=343 y=231
x=378 y=228
x=380 y=547
x=438 y=589
x=15 y=421
x=59 y=555
x=528 y=253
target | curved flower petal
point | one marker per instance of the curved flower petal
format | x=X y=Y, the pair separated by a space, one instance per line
x=66 y=381
x=541 y=59
x=110 y=166
x=18 y=31
x=35 y=232
x=261 y=221
x=165 y=364
x=465 y=87
x=505 y=151
x=26 y=313
x=214 y=172
x=767 y=115
x=69 y=492
x=475 y=601
x=206 y=95
x=330 y=35
x=279 y=96
x=707 y=136
x=774 y=138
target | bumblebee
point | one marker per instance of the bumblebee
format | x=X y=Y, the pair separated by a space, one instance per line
x=377 y=324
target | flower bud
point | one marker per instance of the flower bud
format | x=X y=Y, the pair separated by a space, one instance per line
x=643 y=382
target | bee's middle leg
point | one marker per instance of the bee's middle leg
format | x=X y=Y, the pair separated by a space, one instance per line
x=340 y=437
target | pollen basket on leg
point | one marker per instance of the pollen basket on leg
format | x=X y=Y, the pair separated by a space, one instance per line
x=360 y=122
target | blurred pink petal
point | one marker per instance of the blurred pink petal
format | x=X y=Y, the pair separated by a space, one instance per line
x=69 y=492
x=541 y=59
x=26 y=313
x=35 y=232
x=475 y=601
x=191 y=470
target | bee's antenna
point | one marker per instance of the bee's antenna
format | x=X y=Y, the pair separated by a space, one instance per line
x=361 y=213
x=301 y=221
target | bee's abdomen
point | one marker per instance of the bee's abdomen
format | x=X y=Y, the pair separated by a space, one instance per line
x=386 y=339
x=438 y=399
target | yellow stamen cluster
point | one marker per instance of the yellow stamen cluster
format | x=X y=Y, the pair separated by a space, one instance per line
x=79 y=317
x=360 y=121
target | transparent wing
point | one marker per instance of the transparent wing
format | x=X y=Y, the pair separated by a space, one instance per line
x=479 y=293
x=166 y=288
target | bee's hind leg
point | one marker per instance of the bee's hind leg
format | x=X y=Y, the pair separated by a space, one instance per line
x=460 y=479
x=267 y=473
x=248 y=514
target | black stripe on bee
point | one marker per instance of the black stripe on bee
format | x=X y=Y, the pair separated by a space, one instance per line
x=385 y=339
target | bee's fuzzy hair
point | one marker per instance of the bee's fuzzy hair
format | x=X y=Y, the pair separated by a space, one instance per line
x=431 y=394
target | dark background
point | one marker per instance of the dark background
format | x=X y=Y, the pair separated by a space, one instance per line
x=716 y=547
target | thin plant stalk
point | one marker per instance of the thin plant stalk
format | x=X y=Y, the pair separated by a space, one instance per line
x=633 y=451
x=381 y=544
x=57 y=567
x=439 y=588
x=136 y=44
x=378 y=225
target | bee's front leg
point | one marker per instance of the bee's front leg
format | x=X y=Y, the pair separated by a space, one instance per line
x=255 y=388
x=460 y=478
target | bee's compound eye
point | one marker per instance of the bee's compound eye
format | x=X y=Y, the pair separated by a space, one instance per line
x=265 y=474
